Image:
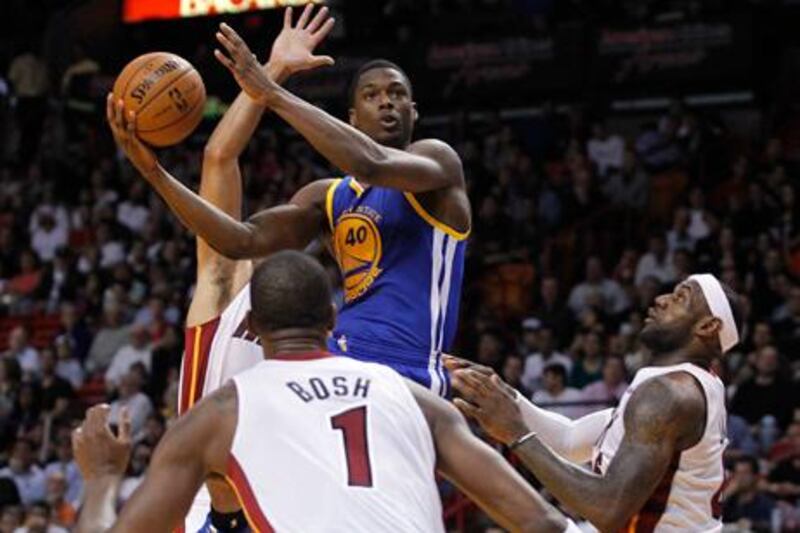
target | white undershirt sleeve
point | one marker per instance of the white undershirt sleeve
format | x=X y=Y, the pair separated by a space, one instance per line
x=571 y=439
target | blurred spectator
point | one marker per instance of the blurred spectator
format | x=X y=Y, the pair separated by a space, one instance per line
x=744 y=503
x=512 y=372
x=109 y=339
x=589 y=357
x=678 y=237
x=656 y=263
x=134 y=400
x=67 y=366
x=490 y=350
x=544 y=355
x=607 y=392
x=741 y=442
x=64 y=513
x=153 y=430
x=788 y=329
x=52 y=387
x=597 y=290
x=28 y=74
x=556 y=393
x=133 y=212
x=552 y=310
x=140 y=459
x=47 y=238
x=20 y=349
x=28 y=477
x=64 y=465
x=784 y=479
x=605 y=150
x=11 y=518
x=138 y=350
x=629 y=186
x=40 y=520
x=74 y=329
x=767 y=393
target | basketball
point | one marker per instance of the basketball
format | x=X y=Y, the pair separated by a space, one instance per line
x=167 y=94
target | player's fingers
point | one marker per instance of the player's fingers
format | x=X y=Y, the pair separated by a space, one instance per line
x=323 y=32
x=222 y=58
x=451 y=362
x=96 y=418
x=322 y=61
x=503 y=387
x=132 y=124
x=226 y=43
x=287 y=17
x=232 y=36
x=318 y=19
x=304 y=16
x=110 y=109
x=467 y=408
x=476 y=380
x=118 y=114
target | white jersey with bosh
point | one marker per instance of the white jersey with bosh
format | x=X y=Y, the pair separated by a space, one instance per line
x=687 y=498
x=214 y=352
x=328 y=443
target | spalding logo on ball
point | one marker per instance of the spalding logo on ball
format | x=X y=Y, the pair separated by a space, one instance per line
x=167 y=94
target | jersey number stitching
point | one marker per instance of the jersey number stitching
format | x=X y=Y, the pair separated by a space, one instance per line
x=353 y=425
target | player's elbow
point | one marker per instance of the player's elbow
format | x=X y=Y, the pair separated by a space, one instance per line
x=613 y=518
x=214 y=153
x=239 y=246
x=551 y=522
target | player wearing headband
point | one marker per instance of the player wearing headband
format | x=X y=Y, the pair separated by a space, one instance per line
x=657 y=458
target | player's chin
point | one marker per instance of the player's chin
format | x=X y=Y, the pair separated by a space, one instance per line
x=392 y=139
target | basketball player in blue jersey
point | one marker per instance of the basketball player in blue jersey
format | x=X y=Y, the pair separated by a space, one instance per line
x=396 y=224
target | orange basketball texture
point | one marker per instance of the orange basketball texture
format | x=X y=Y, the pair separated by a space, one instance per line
x=167 y=94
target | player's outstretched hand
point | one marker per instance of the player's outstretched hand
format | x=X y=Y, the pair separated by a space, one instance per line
x=457 y=367
x=292 y=51
x=123 y=127
x=485 y=399
x=244 y=66
x=97 y=450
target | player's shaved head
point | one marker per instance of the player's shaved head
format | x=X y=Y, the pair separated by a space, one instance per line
x=372 y=65
x=290 y=290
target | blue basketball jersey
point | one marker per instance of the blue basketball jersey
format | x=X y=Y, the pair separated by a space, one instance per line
x=402 y=272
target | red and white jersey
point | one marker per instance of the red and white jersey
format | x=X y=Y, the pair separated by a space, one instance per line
x=217 y=350
x=213 y=353
x=328 y=443
x=687 y=498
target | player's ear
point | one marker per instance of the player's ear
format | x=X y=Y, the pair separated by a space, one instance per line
x=708 y=328
x=414 y=113
x=251 y=326
x=352 y=116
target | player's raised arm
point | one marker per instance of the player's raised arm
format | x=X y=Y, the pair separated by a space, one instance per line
x=219 y=277
x=427 y=165
x=664 y=416
x=177 y=471
x=481 y=473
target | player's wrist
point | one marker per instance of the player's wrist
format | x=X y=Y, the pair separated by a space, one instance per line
x=277 y=71
x=520 y=439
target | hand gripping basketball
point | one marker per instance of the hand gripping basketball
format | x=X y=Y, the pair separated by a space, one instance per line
x=123 y=126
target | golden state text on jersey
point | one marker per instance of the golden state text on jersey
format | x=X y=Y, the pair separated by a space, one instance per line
x=402 y=272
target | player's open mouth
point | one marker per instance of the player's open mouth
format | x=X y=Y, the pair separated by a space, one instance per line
x=389 y=122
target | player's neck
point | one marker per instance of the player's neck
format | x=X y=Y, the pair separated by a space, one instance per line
x=678 y=357
x=293 y=341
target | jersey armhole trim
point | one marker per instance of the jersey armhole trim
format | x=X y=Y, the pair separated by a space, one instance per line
x=427 y=217
x=237 y=480
x=329 y=201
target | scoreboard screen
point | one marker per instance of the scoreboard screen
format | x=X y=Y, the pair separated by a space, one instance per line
x=140 y=10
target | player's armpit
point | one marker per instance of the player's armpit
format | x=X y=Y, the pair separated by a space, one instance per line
x=661 y=419
x=198 y=443
x=481 y=473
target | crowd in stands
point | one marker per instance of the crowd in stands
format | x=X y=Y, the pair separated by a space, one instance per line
x=576 y=229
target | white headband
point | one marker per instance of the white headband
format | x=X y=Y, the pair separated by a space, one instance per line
x=720 y=307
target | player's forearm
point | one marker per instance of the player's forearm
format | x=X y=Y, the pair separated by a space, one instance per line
x=98 y=512
x=234 y=131
x=222 y=232
x=584 y=492
x=343 y=145
x=571 y=439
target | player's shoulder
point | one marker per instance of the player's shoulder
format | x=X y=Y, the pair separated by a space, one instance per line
x=314 y=193
x=435 y=148
x=668 y=404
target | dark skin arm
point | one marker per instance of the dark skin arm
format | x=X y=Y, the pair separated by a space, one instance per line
x=481 y=473
x=664 y=416
x=178 y=468
x=426 y=165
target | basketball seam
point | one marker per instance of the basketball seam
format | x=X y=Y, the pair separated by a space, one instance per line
x=132 y=76
x=183 y=116
x=157 y=93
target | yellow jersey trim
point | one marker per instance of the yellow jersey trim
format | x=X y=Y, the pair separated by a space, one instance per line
x=195 y=363
x=357 y=187
x=458 y=235
x=329 y=201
